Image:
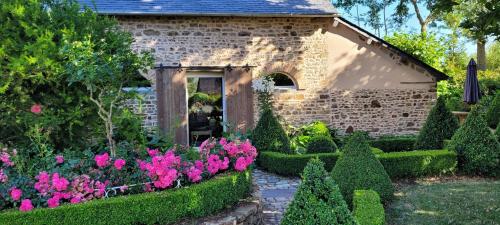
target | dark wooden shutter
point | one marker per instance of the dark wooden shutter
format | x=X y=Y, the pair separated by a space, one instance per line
x=171 y=102
x=239 y=98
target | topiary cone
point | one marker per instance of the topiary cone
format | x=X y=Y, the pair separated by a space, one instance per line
x=359 y=169
x=439 y=126
x=477 y=148
x=317 y=200
x=269 y=135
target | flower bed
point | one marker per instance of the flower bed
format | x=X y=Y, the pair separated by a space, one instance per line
x=165 y=207
x=397 y=164
x=71 y=181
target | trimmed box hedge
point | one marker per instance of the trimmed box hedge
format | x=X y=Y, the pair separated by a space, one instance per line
x=368 y=210
x=418 y=163
x=166 y=207
x=397 y=164
x=394 y=144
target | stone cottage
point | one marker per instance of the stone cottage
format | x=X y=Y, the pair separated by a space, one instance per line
x=325 y=67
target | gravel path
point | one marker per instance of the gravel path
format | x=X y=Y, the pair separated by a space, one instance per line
x=276 y=193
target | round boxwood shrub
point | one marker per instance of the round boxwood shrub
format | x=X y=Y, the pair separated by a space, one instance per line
x=440 y=125
x=269 y=135
x=321 y=144
x=477 y=148
x=493 y=113
x=359 y=169
x=318 y=200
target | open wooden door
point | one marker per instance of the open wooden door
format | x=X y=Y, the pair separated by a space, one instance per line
x=171 y=103
x=239 y=98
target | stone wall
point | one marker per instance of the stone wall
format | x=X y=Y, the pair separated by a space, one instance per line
x=341 y=79
x=378 y=111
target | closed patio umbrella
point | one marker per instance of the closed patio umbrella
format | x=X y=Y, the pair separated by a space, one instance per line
x=471 y=86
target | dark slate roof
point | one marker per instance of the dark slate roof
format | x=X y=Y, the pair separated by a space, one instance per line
x=213 y=7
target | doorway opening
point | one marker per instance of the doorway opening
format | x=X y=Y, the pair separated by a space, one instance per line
x=206 y=106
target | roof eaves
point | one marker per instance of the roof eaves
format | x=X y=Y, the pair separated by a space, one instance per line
x=433 y=71
x=114 y=13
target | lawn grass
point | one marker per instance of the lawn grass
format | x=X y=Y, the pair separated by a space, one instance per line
x=464 y=201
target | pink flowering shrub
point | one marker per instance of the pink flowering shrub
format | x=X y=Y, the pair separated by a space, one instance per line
x=70 y=183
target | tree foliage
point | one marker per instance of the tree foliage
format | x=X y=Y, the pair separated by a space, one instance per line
x=429 y=48
x=493 y=113
x=318 y=200
x=35 y=71
x=440 y=125
x=32 y=72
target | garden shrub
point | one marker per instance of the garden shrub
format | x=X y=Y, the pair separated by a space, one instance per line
x=321 y=144
x=394 y=144
x=477 y=148
x=418 y=163
x=358 y=168
x=316 y=128
x=396 y=164
x=440 y=125
x=493 y=113
x=497 y=131
x=368 y=210
x=269 y=135
x=317 y=200
x=166 y=207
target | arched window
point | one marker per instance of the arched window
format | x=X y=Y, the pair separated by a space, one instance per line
x=282 y=81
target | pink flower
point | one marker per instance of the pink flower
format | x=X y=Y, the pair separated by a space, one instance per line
x=26 y=205
x=42 y=185
x=53 y=202
x=102 y=160
x=5 y=158
x=199 y=164
x=59 y=159
x=147 y=187
x=59 y=183
x=241 y=164
x=225 y=164
x=119 y=163
x=142 y=164
x=3 y=177
x=152 y=152
x=194 y=174
x=16 y=194
x=213 y=164
x=36 y=108
x=75 y=200
x=123 y=188
x=223 y=141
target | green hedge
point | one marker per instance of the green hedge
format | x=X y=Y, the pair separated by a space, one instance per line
x=418 y=163
x=293 y=165
x=368 y=210
x=164 y=207
x=397 y=164
x=394 y=144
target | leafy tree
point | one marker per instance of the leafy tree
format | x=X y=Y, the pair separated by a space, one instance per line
x=359 y=169
x=317 y=200
x=104 y=62
x=32 y=73
x=439 y=126
x=493 y=56
x=481 y=19
x=477 y=148
x=429 y=48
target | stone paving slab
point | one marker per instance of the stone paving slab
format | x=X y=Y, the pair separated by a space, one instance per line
x=276 y=193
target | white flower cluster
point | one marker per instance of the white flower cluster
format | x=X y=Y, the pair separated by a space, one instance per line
x=263 y=84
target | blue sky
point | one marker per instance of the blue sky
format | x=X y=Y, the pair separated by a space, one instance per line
x=412 y=25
